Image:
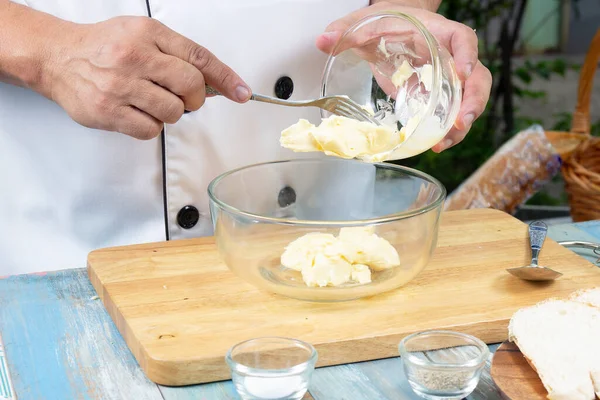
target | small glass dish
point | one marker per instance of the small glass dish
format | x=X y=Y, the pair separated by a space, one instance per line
x=443 y=365
x=394 y=67
x=273 y=368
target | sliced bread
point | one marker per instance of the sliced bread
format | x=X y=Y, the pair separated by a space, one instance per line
x=561 y=341
x=591 y=297
x=588 y=296
x=595 y=375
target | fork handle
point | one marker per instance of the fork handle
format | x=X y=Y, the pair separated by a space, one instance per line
x=210 y=91
x=256 y=97
x=259 y=97
x=273 y=100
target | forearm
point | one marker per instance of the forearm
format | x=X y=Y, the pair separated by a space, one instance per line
x=431 y=5
x=28 y=39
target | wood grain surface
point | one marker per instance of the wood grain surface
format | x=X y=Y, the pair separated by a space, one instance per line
x=180 y=309
x=514 y=377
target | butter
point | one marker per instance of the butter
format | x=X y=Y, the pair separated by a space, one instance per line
x=299 y=137
x=348 y=138
x=426 y=76
x=361 y=273
x=405 y=71
x=326 y=260
x=327 y=270
x=363 y=246
x=382 y=47
x=302 y=251
x=343 y=137
x=402 y=74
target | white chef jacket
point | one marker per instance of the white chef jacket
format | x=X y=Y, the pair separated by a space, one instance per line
x=67 y=189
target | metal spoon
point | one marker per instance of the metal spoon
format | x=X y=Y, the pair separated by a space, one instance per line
x=534 y=272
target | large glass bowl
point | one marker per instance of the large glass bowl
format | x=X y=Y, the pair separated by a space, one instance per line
x=260 y=209
x=393 y=66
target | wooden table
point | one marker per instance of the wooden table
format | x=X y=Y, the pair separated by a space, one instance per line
x=60 y=343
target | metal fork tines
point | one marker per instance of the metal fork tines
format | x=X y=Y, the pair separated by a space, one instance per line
x=338 y=105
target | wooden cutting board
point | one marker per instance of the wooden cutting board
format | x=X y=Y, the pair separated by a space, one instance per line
x=179 y=308
x=513 y=375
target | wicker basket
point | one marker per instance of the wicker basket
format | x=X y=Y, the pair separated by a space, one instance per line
x=579 y=150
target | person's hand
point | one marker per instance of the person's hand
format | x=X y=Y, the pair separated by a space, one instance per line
x=461 y=42
x=133 y=74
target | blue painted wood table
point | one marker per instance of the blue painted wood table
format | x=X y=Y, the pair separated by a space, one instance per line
x=60 y=344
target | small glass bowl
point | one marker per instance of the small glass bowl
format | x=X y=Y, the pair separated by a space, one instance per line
x=273 y=368
x=392 y=65
x=443 y=364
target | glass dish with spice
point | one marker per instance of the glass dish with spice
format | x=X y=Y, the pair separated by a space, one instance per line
x=443 y=364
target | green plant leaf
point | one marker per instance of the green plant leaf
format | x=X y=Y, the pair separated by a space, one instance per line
x=530 y=94
x=523 y=74
x=575 y=67
x=560 y=67
x=595 y=128
x=562 y=121
x=543 y=69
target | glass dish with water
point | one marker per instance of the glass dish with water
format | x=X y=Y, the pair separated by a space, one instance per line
x=271 y=368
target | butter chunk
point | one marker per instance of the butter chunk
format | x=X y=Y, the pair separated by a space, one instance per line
x=382 y=47
x=302 y=251
x=402 y=74
x=363 y=246
x=327 y=270
x=361 y=273
x=299 y=137
x=327 y=260
x=405 y=71
x=342 y=137
x=426 y=76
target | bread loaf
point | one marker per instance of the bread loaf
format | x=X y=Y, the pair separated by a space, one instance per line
x=561 y=341
x=511 y=176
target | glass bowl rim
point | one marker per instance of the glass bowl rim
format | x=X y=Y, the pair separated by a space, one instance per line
x=297 y=369
x=474 y=362
x=431 y=41
x=324 y=223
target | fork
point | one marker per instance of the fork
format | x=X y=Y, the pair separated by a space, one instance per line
x=338 y=105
